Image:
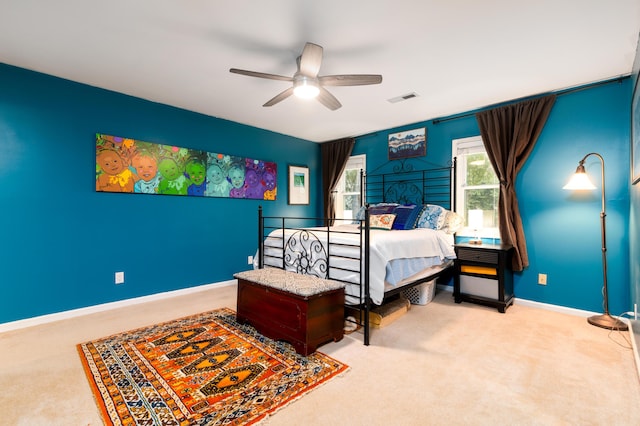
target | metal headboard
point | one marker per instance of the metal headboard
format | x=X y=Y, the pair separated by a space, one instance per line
x=407 y=185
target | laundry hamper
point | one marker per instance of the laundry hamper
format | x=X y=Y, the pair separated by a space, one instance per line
x=421 y=294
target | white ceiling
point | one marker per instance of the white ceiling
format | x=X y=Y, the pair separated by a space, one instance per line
x=458 y=55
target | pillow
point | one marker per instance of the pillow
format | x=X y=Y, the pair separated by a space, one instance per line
x=452 y=222
x=381 y=221
x=406 y=217
x=382 y=208
x=431 y=216
x=359 y=214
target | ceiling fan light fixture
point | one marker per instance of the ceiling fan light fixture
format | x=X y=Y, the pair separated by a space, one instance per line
x=308 y=84
x=305 y=87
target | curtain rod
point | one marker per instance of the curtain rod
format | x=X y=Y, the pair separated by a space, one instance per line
x=619 y=79
x=557 y=93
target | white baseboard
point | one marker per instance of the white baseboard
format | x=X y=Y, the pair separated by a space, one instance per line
x=43 y=319
x=554 y=308
x=539 y=305
x=29 y=322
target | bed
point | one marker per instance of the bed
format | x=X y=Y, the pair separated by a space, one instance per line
x=401 y=238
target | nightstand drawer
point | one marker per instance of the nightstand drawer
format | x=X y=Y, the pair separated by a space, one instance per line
x=476 y=286
x=482 y=270
x=483 y=256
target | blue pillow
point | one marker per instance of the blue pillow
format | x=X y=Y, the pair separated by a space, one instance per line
x=431 y=216
x=382 y=208
x=406 y=217
x=359 y=214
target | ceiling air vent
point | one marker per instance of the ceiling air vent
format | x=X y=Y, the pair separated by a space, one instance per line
x=403 y=97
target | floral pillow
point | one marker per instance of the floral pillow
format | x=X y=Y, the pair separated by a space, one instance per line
x=452 y=222
x=380 y=208
x=431 y=216
x=381 y=221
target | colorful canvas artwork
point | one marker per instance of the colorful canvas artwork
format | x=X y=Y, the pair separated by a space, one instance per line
x=129 y=165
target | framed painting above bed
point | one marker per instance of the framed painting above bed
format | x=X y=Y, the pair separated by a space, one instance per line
x=407 y=144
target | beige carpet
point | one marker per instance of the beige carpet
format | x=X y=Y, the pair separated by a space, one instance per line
x=440 y=364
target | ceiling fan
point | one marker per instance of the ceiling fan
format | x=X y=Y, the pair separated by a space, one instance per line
x=308 y=84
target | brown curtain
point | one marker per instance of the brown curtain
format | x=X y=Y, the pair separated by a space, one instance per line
x=509 y=134
x=334 y=159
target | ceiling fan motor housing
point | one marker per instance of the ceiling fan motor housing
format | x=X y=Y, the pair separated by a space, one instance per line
x=305 y=87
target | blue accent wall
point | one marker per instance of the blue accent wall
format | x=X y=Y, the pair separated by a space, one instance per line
x=62 y=242
x=562 y=229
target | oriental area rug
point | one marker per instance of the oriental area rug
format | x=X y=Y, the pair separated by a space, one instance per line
x=205 y=369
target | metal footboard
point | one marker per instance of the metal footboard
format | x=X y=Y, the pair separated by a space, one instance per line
x=308 y=246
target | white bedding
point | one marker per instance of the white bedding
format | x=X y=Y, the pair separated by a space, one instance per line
x=395 y=255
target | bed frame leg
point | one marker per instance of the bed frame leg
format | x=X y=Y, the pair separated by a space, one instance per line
x=367 y=289
x=366 y=324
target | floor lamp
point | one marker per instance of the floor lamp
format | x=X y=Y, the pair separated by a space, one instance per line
x=580 y=181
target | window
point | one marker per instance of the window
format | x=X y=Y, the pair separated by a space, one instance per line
x=348 y=196
x=478 y=189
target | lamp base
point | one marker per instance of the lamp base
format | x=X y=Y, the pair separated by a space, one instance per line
x=608 y=322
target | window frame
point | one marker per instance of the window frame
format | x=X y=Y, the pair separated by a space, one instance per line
x=354 y=162
x=470 y=145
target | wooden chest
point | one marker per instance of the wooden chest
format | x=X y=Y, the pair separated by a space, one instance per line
x=303 y=310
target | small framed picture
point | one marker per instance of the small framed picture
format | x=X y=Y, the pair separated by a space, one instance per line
x=411 y=143
x=298 y=185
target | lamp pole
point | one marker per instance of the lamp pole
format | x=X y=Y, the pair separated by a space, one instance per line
x=605 y=320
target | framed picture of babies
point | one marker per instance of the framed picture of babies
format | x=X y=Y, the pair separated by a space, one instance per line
x=298 y=185
x=129 y=165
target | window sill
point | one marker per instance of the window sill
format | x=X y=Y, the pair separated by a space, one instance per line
x=491 y=233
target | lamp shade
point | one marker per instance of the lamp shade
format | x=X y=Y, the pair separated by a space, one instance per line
x=579 y=181
x=475 y=219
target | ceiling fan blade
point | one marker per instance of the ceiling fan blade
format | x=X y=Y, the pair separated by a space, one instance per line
x=260 y=74
x=310 y=60
x=328 y=100
x=279 y=97
x=350 y=79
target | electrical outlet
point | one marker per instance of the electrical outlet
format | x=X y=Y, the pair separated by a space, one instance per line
x=119 y=277
x=542 y=279
x=249 y=260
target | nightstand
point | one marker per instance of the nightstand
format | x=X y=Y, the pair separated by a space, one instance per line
x=483 y=274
